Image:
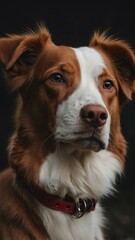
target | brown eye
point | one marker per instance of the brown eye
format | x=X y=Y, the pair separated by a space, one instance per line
x=56 y=78
x=108 y=85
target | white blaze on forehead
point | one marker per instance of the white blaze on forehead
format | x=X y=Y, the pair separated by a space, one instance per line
x=91 y=66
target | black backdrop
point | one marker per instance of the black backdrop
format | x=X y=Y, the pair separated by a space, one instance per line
x=70 y=23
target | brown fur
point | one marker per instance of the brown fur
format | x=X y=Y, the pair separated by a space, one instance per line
x=28 y=61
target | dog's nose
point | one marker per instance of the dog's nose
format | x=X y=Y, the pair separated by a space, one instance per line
x=94 y=115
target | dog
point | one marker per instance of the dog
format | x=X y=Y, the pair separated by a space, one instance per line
x=67 y=148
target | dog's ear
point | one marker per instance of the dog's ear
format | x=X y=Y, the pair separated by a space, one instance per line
x=18 y=54
x=122 y=59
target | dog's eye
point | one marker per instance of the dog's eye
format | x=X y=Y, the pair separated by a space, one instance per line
x=56 y=78
x=108 y=85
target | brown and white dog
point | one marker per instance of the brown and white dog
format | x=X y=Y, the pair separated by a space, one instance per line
x=67 y=148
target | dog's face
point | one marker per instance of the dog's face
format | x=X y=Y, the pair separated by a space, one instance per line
x=70 y=97
x=83 y=119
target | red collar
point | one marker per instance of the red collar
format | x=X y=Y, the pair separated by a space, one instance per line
x=66 y=205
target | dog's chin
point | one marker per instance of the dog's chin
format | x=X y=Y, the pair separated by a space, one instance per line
x=92 y=143
x=86 y=144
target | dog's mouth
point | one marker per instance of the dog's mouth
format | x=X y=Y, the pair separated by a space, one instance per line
x=85 y=142
x=90 y=143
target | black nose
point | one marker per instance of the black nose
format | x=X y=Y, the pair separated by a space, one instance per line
x=94 y=115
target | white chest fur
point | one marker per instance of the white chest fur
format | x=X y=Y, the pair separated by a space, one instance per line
x=89 y=176
x=62 y=226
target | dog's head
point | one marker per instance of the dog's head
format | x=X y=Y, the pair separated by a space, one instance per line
x=69 y=98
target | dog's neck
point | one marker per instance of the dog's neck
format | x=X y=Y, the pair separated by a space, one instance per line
x=66 y=205
x=80 y=175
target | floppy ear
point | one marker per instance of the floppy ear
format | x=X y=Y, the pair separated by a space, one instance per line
x=19 y=53
x=122 y=59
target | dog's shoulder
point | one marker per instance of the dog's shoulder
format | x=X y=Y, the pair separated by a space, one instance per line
x=6 y=179
x=7 y=194
x=6 y=201
x=6 y=176
x=17 y=215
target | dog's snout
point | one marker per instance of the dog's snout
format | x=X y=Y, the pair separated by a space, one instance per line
x=94 y=115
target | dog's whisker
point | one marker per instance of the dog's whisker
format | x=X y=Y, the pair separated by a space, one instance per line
x=47 y=139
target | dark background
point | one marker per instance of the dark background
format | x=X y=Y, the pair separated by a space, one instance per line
x=73 y=23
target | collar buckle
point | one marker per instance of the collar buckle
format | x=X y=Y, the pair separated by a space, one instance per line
x=81 y=208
